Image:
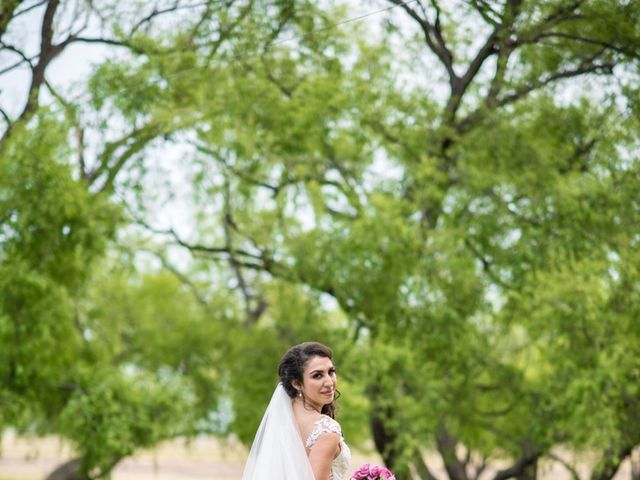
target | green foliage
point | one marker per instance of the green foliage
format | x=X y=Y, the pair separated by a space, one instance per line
x=114 y=413
x=470 y=258
x=52 y=230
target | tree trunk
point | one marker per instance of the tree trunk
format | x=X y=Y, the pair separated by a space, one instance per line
x=529 y=472
x=385 y=442
x=69 y=470
x=525 y=468
x=422 y=469
x=610 y=462
x=446 y=444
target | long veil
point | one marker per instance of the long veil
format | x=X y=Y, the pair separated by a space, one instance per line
x=277 y=452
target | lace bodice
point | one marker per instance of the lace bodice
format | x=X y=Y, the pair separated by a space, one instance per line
x=340 y=464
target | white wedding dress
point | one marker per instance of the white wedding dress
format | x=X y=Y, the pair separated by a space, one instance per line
x=340 y=464
x=278 y=452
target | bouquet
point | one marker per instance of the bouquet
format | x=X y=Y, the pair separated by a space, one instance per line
x=372 y=472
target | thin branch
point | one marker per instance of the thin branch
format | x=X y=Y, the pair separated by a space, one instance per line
x=585 y=68
x=228 y=225
x=28 y=9
x=433 y=39
x=18 y=63
x=565 y=464
x=563 y=74
x=132 y=143
x=380 y=128
x=486 y=12
x=156 y=13
x=71 y=114
x=487 y=266
x=565 y=13
x=20 y=53
x=184 y=279
x=592 y=41
x=104 y=41
x=135 y=147
x=479 y=469
x=239 y=173
x=194 y=247
x=226 y=32
x=6 y=118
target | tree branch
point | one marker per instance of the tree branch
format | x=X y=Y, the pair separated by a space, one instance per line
x=572 y=471
x=110 y=163
x=593 y=41
x=378 y=127
x=6 y=117
x=105 y=41
x=486 y=12
x=24 y=58
x=446 y=445
x=563 y=74
x=611 y=461
x=79 y=131
x=7 y=7
x=47 y=53
x=487 y=266
x=194 y=247
x=586 y=67
x=156 y=13
x=434 y=40
x=528 y=458
x=479 y=469
x=423 y=470
x=137 y=145
x=252 y=313
x=564 y=13
x=28 y=9
x=184 y=279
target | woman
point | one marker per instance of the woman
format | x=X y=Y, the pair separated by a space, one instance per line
x=298 y=438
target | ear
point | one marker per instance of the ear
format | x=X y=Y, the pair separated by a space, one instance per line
x=296 y=384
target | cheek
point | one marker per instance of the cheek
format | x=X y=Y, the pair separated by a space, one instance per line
x=314 y=382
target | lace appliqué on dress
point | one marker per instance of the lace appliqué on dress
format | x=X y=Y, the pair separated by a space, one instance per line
x=322 y=426
x=340 y=464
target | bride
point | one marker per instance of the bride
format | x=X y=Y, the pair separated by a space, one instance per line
x=298 y=438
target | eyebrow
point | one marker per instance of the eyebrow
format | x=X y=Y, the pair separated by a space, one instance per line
x=321 y=370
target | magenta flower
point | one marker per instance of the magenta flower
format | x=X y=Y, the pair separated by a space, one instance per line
x=372 y=472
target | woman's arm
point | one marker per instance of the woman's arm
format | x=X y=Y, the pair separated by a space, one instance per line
x=322 y=454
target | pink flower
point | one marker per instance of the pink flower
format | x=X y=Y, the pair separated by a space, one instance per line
x=373 y=472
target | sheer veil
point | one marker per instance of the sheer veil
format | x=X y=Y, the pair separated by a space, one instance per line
x=277 y=451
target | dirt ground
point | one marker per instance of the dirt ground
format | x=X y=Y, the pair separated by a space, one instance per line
x=205 y=458
x=23 y=458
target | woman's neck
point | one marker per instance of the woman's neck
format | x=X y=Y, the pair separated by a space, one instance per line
x=307 y=406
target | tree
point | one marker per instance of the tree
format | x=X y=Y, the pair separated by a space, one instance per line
x=68 y=368
x=501 y=190
x=470 y=255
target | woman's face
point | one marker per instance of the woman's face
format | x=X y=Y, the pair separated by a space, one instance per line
x=319 y=382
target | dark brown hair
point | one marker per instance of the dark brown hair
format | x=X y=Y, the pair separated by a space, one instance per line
x=293 y=363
